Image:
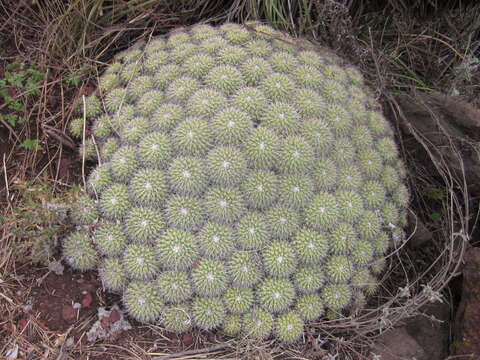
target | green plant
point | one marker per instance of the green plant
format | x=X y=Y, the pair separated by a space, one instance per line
x=19 y=89
x=250 y=194
x=38 y=220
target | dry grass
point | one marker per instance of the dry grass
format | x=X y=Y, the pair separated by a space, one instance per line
x=399 y=47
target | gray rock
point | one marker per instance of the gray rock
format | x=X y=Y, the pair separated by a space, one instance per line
x=109 y=325
x=467 y=324
x=398 y=344
x=431 y=330
x=423 y=337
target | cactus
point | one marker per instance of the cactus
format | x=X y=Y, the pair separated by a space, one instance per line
x=224 y=205
x=238 y=300
x=176 y=249
x=309 y=279
x=102 y=127
x=260 y=190
x=84 y=211
x=76 y=127
x=209 y=278
x=310 y=246
x=309 y=306
x=232 y=325
x=208 y=312
x=112 y=274
x=262 y=148
x=252 y=232
x=243 y=269
x=143 y=301
x=88 y=150
x=276 y=295
x=255 y=69
x=177 y=318
x=245 y=182
x=149 y=187
x=231 y=126
x=143 y=224
x=206 y=102
x=289 y=326
x=79 y=251
x=279 y=259
x=258 y=323
x=110 y=146
x=110 y=239
x=140 y=262
x=216 y=241
x=114 y=202
x=99 y=179
x=174 y=286
x=90 y=107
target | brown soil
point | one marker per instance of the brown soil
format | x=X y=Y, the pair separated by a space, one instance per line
x=65 y=307
x=62 y=300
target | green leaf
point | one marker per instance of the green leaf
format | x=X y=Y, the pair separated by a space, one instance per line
x=22 y=119
x=435 y=216
x=31 y=144
x=16 y=106
x=434 y=193
x=13 y=65
x=12 y=119
x=74 y=80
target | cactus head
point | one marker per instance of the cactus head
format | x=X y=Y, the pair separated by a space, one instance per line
x=246 y=181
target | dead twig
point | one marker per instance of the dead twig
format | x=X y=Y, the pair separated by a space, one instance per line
x=10 y=129
x=210 y=349
x=59 y=136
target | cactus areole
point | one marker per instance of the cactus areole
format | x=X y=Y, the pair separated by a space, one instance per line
x=246 y=181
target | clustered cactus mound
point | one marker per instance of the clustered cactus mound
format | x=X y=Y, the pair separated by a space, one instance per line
x=246 y=181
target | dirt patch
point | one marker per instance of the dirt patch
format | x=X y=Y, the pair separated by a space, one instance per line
x=62 y=300
x=63 y=308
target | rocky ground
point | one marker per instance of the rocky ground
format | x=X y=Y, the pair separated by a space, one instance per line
x=73 y=309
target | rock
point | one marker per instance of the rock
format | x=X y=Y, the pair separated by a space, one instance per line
x=76 y=305
x=421 y=234
x=87 y=300
x=398 y=344
x=187 y=339
x=56 y=267
x=109 y=325
x=69 y=342
x=114 y=316
x=27 y=308
x=423 y=337
x=107 y=321
x=447 y=122
x=467 y=322
x=431 y=330
x=69 y=314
